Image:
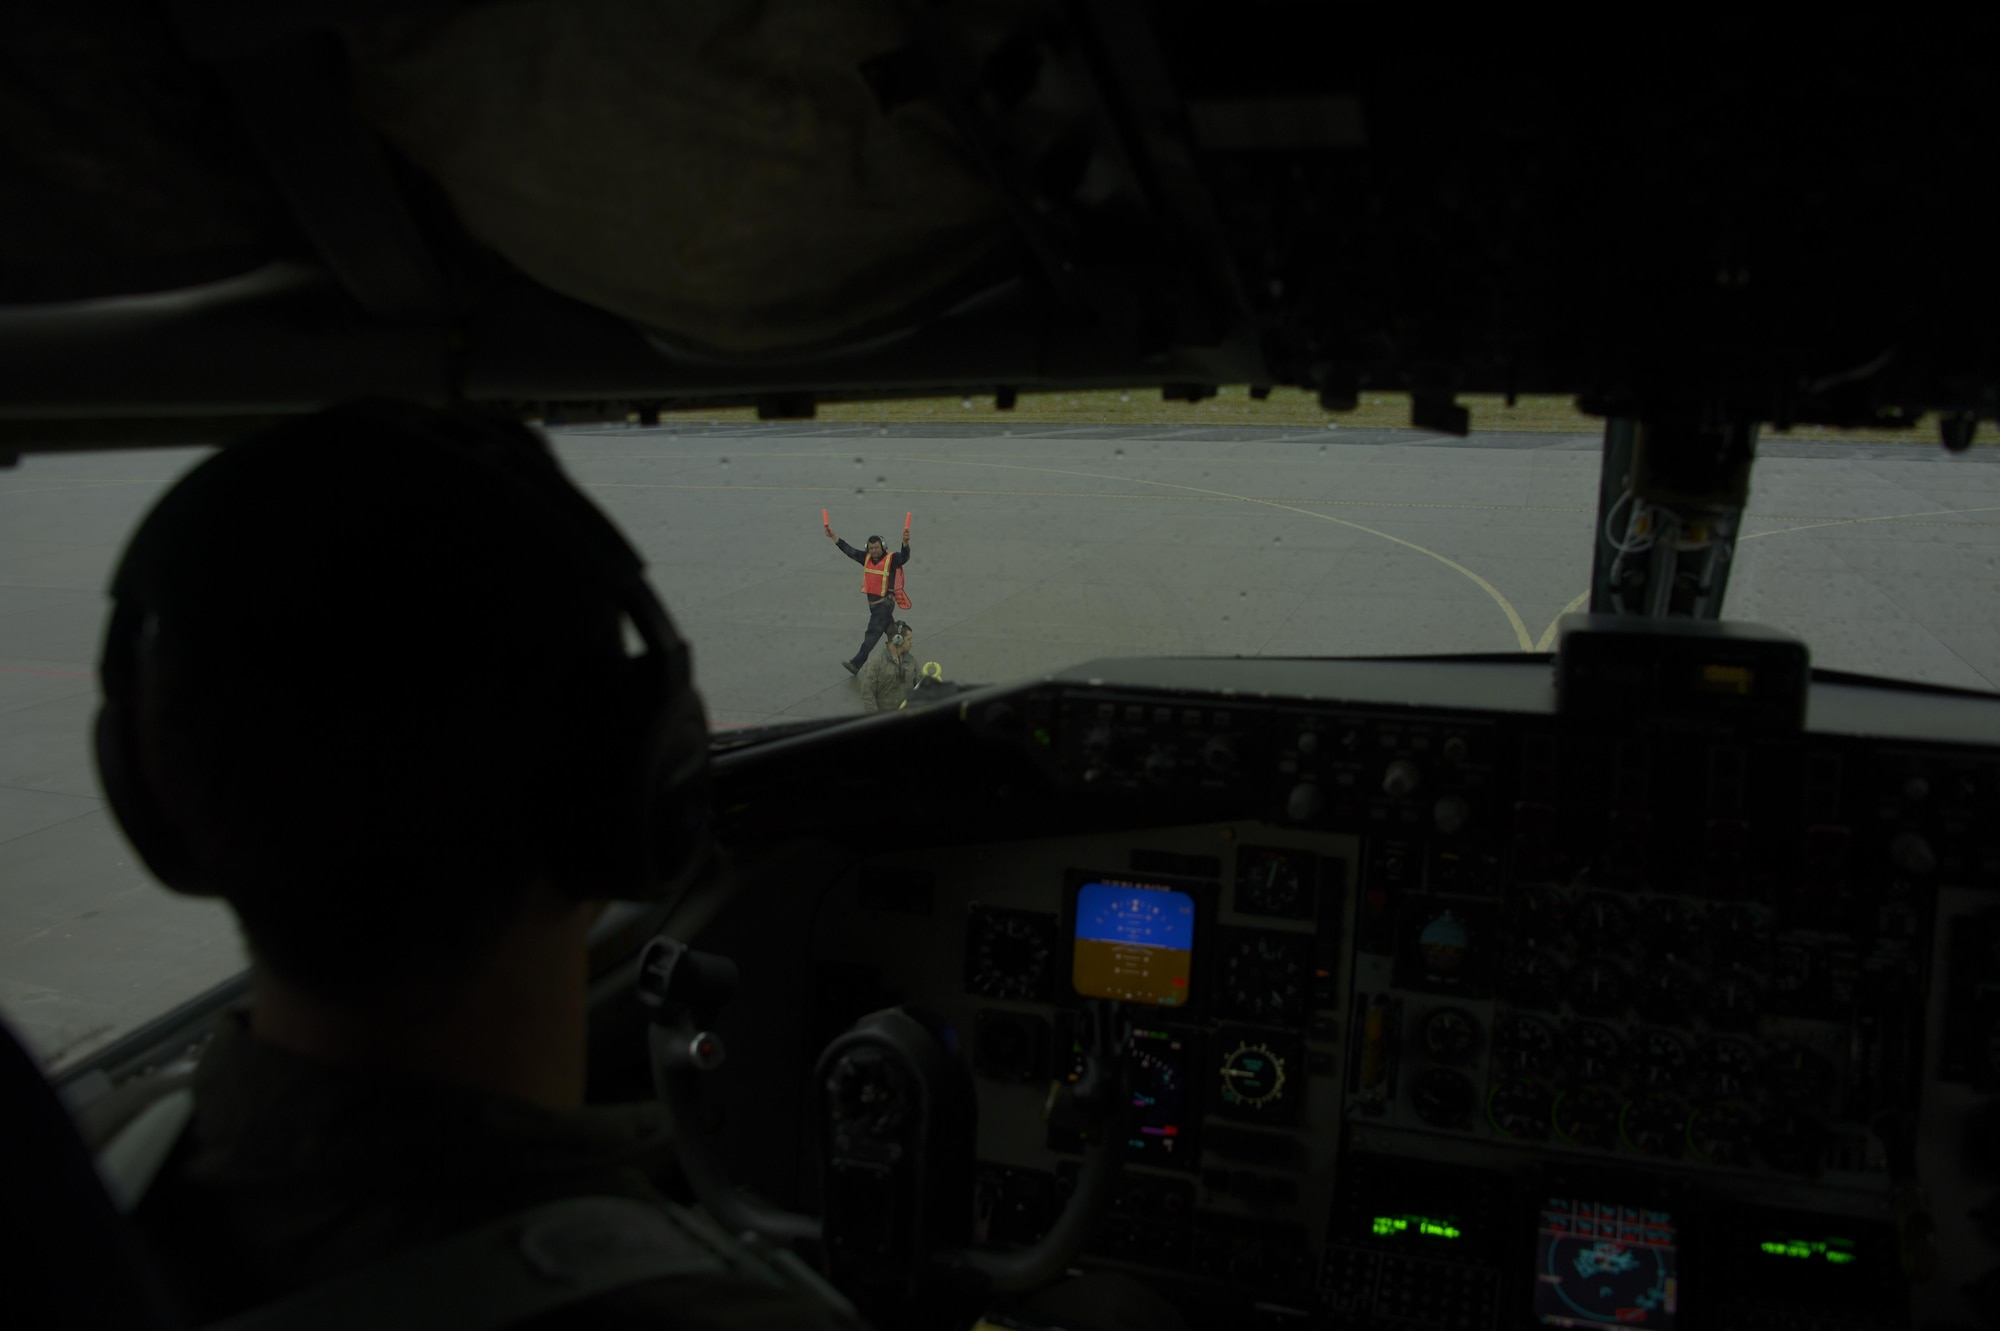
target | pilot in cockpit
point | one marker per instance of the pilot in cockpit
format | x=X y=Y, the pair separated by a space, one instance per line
x=368 y=681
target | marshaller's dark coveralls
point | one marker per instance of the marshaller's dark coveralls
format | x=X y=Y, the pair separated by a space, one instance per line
x=881 y=609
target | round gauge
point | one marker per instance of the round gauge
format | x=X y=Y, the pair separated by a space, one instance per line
x=1538 y=916
x=1719 y=1133
x=1531 y=979
x=1738 y=932
x=1520 y=1108
x=1263 y=976
x=1732 y=1002
x=1524 y=1045
x=1008 y=953
x=1670 y=927
x=1729 y=1067
x=1793 y=1143
x=1591 y=1052
x=1444 y=1098
x=1603 y=923
x=1795 y=1073
x=1597 y=989
x=1588 y=1116
x=1451 y=1034
x=1666 y=995
x=1270 y=881
x=1654 y=1125
x=1253 y=1076
x=1661 y=1058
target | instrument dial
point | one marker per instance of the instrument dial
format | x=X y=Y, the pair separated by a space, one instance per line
x=1798 y=1075
x=1009 y=953
x=1739 y=932
x=1719 y=1133
x=1451 y=1035
x=1539 y=916
x=1670 y=927
x=1444 y=1098
x=1253 y=1077
x=1729 y=1067
x=1588 y=1116
x=1654 y=1125
x=1524 y=1045
x=1661 y=1058
x=1275 y=882
x=1531 y=980
x=1666 y=995
x=1263 y=976
x=1733 y=1003
x=1602 y=923
x=1598 y=989
x=1591 y=1052
x=1521 y=1108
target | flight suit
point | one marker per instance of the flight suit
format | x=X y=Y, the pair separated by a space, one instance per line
x=295 y=1172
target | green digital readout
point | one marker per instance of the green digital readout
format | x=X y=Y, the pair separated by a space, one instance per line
x=1838 y=1252
x=1403 y=1224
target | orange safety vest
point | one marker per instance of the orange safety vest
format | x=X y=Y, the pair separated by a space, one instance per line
x=875 y=577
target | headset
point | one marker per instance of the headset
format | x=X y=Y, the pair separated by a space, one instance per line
x=901 y=635
x=634 y=823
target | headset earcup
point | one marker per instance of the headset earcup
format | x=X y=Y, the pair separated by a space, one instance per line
x=139 y=815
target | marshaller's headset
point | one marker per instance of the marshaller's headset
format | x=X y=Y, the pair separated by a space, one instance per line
x=635 y=816
x=902 y=633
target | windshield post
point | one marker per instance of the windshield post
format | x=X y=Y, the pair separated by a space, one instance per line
x=1669 y=509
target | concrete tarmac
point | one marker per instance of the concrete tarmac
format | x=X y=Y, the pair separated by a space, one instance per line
x=1034 y=547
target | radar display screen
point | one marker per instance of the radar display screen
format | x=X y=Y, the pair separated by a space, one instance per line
x=1134 y=944
x=1601 y=1264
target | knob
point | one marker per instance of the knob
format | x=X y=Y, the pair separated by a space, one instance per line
x=1911 y=853
x=1456 y=750
x=1220 y=755
x=1451 y=814
x=1159 y=765
x=1308 y=743
x=1402 y=779
x=1304 y=803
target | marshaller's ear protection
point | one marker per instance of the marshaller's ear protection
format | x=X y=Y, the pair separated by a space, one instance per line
x=634 y=819
x=902 y=634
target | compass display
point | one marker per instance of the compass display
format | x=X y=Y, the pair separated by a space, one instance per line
x=1600 y=1264
x=1259 y=1075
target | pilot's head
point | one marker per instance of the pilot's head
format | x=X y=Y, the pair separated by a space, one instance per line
x=368 y=679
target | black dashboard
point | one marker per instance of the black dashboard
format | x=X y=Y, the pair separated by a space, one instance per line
x=1449 y=1008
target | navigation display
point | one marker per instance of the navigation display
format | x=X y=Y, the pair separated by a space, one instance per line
x=1600 y=1264
x=1134 y=944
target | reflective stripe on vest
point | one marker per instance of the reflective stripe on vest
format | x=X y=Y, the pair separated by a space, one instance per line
x=875 y=577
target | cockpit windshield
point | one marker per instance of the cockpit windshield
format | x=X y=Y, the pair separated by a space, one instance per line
x=1074 y=526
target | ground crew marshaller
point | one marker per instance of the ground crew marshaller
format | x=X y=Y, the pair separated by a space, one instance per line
x=878 y=571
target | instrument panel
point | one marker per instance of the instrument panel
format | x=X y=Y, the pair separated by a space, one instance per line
x=1485 y=1020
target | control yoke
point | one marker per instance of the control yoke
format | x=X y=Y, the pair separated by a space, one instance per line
x=898 y=1112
